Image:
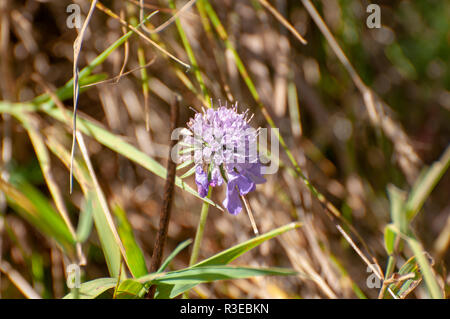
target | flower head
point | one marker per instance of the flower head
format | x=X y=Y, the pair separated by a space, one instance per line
x=224 y=148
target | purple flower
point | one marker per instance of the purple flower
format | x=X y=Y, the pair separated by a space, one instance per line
x=224 y=149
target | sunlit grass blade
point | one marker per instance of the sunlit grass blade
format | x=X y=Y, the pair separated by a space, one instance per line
x=185 y=164
x=190 y=172
x=134 y=253
x=234 y=252
x=389 y=240
x=107 y=216
x=398 y=216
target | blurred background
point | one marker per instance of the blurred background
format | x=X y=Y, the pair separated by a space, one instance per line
x=342 y=146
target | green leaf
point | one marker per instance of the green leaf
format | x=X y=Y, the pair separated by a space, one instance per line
x=86 y=220
x=199 y=275
x=93 y=288
x=108 y=242
x=162 y=289
x=134 y=253
x=190 y=172
x=397 y=202
x=129 y=289
x=389 y=240
x=234 y=252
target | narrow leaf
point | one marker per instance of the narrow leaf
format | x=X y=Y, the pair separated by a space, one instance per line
x=93 y=288
x=134 y=253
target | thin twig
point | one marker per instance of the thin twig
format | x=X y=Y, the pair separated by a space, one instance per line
x=282 y=20
x=172 y=18
x=141 y=16
x=150 y=6
x=250 y=215
x=359 y=252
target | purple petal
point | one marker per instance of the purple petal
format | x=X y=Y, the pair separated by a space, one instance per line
x=252 y=171
x=201 y=179
x=232 y=201
x=244 y=184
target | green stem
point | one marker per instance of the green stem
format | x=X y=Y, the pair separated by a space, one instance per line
x=200 y=230
x=199 y=234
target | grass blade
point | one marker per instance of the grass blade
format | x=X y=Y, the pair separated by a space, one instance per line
x=134 y=253
x=195 y=276
x=174 y=253
x=93 y=288
x=86 y=220
x=234 y=252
